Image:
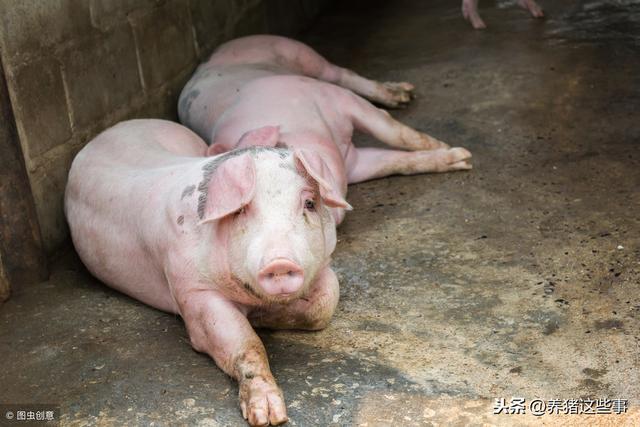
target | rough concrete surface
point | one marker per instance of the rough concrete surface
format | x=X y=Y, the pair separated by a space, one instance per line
x=517 y=279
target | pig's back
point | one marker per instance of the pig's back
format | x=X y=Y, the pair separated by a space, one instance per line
x=217 y=83
x=214 y=88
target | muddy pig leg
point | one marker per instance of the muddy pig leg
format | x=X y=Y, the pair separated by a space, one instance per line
x=217 y=327
x=379 y=124
x=374 y=163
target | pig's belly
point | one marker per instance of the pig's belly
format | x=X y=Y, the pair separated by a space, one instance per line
x=123 y=266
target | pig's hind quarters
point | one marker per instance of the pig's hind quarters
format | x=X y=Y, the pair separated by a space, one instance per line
x=303 y=60
x=312 y=312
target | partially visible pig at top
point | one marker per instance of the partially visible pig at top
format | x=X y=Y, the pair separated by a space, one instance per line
x=470 y=11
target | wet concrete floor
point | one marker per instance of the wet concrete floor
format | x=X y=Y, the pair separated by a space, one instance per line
x=518 y=279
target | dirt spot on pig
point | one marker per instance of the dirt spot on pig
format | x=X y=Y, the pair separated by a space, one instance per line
x=187 y=100
x=210 y=167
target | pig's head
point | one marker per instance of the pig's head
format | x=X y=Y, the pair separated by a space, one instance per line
x=274 y=205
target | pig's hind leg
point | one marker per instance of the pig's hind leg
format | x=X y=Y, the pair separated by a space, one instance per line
x=302 y=59
x=312 y=312
x=389 y=94
x=371 y=163
x=427 y=153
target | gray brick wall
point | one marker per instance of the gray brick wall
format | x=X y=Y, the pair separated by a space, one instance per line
x=75 y=67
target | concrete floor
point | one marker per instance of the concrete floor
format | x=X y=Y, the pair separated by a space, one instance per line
x=519 y=278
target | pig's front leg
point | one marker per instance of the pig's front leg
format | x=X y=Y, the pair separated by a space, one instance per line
x=311 y=312
x=217 y=327
x=371 y=163
x=379 y=124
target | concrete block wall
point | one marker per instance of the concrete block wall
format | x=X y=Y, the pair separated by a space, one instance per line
x=76 y=67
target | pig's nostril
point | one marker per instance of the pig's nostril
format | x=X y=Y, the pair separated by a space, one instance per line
x=281 y=276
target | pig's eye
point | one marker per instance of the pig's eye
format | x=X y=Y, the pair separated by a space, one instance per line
x=310 y=205
x=239 y=211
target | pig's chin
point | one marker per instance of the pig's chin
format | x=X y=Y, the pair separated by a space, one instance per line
x=254 y=289
x=282 y=299
x=279 y=298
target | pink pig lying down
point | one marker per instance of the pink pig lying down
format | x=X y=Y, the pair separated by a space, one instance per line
x=242 y=238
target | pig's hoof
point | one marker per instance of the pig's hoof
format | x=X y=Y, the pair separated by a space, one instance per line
x=458 y=159
x=261 y=402
x=470 y=13
x=397 y=94
x=534 y=9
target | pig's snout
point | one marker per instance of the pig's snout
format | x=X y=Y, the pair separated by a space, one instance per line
x=281 y=277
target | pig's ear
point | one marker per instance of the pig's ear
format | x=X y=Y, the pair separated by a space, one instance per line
x=266 y=136
x=230 y=187
x=311 y=163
